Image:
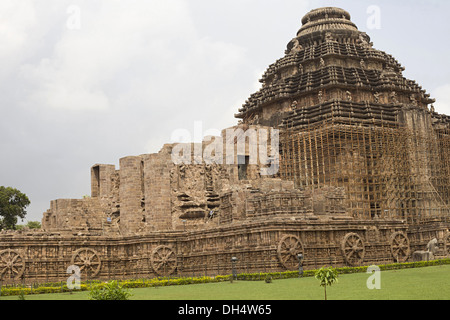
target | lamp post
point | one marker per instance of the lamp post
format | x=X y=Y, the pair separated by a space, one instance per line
x=300 y=265
x=233 y=263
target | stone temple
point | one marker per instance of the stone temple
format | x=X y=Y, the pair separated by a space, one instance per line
x=362 y=177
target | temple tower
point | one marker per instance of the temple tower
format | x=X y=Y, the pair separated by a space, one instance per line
x=350 y=119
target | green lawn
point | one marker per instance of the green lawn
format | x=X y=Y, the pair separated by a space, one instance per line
x=429 y=283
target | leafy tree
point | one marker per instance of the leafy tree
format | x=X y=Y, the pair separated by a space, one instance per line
x=327 y=277
x=12 y=207
x=29 y=225
x=33 y=225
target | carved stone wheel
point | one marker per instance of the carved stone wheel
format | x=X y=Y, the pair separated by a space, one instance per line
x=288 y=250
x=12 y=264
x=400 y=248
x=353 y=249
x=88 y=261
x=164 y=261
x=447 y=244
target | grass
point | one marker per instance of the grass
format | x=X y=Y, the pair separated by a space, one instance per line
x=429 y=283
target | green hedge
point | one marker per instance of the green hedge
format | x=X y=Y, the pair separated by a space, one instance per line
x=12 y=291
x=162 y=282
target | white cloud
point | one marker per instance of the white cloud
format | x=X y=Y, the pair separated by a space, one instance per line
x=83 y=61
x=137 y=45
x=17 y=19
x=442 y=96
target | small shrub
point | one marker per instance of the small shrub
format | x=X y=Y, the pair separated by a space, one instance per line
x=268 y=279
x=109 y=291
x=22 y=296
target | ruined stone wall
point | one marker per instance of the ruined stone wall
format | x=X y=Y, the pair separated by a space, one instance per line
x=74 y=216
x=152 y=193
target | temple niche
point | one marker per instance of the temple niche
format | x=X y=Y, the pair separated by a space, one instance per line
x=355 y=171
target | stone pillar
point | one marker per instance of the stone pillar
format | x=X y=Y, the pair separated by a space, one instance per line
x=158 y=205
x=101 y=180
x=131 y=195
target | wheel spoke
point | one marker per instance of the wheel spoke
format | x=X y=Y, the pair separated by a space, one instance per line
x=293 y=242
x=350 y=254
x=2 y=257
x=285 y=258
x=4 y=270
x=14 y=269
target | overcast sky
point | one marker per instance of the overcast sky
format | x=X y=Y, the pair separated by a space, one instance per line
x=86 y=82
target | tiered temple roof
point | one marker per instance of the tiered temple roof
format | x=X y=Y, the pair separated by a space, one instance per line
x=329 y=67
